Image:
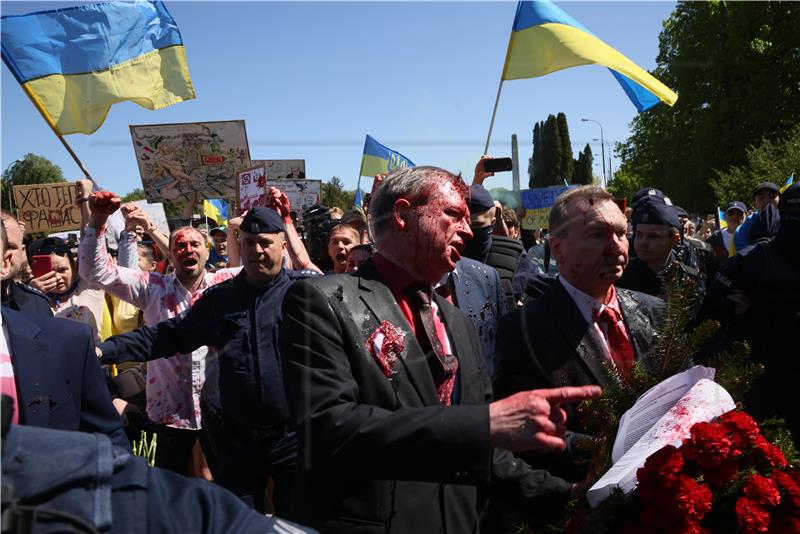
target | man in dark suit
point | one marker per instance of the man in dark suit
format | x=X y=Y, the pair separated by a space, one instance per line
x=396 y=426
x=49 y=369
x=564 y=337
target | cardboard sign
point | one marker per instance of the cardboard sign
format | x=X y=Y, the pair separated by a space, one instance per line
x=537 y=203
x=302 y=193
x=155 y=212
x=47 y=207
x=252 y=188
x=283 y=169
x=175 y=160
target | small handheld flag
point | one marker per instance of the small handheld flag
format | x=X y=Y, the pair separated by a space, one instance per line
x=216 y=209
x=789 y=182
x=75 y=63
x=378 y=159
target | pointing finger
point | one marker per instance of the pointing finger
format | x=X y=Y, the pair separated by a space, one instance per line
x=564 y=395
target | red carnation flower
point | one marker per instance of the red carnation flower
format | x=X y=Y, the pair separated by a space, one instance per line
x=709 y=444
x=751 y=517
x=691 y=499
x=743 y=430
x=762 y=490
x=666 y=461
x=791 y=491
x=721 y=474
x=769 y=453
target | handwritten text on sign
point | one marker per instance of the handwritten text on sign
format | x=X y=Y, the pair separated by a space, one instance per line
x=537 y=204
x=47 y=207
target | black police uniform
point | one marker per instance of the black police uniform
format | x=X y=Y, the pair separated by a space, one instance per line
x=24 y=298
x=769 y=276
x=242 y=321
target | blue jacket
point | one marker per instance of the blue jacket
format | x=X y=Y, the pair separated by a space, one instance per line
x=59 y=381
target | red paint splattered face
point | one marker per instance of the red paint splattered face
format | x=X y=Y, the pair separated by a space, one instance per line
x=439 y=230
x=189 y=253
x=592 y=250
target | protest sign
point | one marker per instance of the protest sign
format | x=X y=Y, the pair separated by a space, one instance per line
x=283 y=169
x=302 y=193
x=175 y=160
x=252 y=190
x=537 y=203
x=47 y=207
x=156 y=214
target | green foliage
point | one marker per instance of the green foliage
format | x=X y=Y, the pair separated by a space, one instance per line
x=736 y=67
x=567 y=165
x=552 y=160
x=334 y=195
x=32 y=169
x=136 y=194
x=583 y=167
x=771 y=161
x=625 y=184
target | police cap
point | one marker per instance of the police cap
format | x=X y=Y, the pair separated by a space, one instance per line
x=653 y=210
x=480 y=199
x=261 y=220
x=769 y=186
x=647 y=192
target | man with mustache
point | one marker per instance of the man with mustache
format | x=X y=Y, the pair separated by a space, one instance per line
x=396 y=426
x=176 y=387
x=582 y=321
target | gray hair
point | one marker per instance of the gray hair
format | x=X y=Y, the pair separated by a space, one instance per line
x=559 y=214
x=411 y=183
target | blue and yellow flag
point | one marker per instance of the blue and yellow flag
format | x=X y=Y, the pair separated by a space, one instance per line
x=789 y=182
x=545 y=39
x=358 y=199
x=721 y=222
x=379 y=159
x=216 y=209
x=76 y=63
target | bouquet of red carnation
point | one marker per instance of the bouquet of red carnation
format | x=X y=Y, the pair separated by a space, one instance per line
x=725 y=477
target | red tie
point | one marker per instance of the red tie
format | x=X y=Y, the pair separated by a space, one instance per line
x=429 y=330
x=618 y=343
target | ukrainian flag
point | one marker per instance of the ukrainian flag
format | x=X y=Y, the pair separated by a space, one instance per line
x=216 y=209
x=76 y=63
x=545 y=39
x=789 y=182
x=379 y=159
x=721 y=222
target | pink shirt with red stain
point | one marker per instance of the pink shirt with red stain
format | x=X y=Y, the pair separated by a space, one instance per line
x=175 y=385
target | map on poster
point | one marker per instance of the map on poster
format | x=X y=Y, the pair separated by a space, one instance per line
x=283 y=169
x=175 y=160
x=302 y=193
x=252 y=190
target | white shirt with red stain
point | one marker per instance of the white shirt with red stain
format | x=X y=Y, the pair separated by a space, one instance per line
x=591 y=308
x=175 y=385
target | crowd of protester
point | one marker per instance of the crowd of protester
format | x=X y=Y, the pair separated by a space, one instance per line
x=356 y=389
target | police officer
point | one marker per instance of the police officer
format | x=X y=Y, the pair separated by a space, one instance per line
x=656 y=230
x=756 y=296
x=241 y=318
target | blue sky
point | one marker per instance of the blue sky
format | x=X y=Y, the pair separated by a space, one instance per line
x=311 y=79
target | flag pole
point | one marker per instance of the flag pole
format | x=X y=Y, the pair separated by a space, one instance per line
x=494 y=114
x=58 y=134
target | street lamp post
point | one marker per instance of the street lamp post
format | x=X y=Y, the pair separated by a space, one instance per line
x=602 y=147
x=610 y=166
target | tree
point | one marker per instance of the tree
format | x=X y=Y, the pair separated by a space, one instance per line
x=535 y=163
x=736 y=67
x=624 y=184
x=567 y=166
x=334 y=195
x=769 y=161
x=551 y=154
x=583 y=167
x=136 y=194
x=31 y=169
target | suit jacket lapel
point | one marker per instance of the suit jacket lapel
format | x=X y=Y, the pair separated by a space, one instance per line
x=580 y=337
x=381 y=303
x=639 y=329
x=29 y=358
